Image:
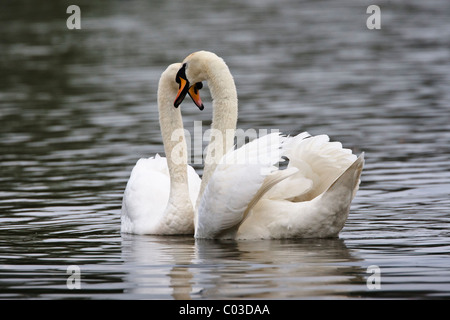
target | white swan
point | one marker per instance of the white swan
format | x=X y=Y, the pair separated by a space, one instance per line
x=311 y=198
x=160 y=193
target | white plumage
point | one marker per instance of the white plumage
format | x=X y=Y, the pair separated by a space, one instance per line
x=252 y=199
x=145 y=206
x=160 y=193
x=244 y=195
x=312 y=203
x=241 y=178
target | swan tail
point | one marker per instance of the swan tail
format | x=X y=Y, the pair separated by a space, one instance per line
x=336 y=200
x=350 y=178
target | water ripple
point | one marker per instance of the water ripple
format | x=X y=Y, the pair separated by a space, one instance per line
x=78 y=109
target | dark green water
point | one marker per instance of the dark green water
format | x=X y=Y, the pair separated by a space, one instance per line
x=78 y=109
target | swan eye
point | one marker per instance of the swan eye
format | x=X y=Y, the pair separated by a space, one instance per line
x=198 y=86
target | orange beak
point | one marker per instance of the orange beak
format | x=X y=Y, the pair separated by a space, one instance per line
x=185 y=88
x=182 y=91
x=194 y=93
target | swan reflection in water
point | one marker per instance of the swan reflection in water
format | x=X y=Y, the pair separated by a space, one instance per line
x=181 y=267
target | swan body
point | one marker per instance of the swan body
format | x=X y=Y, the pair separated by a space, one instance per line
x=160 y=192
x=241 y=200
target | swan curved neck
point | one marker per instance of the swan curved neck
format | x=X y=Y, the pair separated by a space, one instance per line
x=225 y=114
x=175 y=148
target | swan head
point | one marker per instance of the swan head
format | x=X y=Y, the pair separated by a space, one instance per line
x=195 y=69
x=184 y=87
x=166 y=81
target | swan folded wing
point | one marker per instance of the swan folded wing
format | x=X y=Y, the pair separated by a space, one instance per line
x=235 y=182
x=225 y=199
x=146 y=194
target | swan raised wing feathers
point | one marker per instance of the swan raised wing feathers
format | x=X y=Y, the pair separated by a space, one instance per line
x=319 y=163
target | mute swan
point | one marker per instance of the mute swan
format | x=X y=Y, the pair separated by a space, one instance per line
x=311 y=198
x=160 y=193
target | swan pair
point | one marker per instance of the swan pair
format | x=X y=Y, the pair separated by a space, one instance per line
x=242 y=194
